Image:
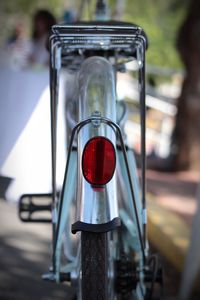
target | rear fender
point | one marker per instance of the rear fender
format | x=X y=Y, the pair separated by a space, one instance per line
x=97 y=208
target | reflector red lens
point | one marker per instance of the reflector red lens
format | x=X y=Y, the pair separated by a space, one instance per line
x=98 y=161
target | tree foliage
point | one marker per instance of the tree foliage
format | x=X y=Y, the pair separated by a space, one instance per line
x=14 y=11
x=159 y=18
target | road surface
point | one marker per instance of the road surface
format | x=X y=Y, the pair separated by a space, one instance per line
x=24 y=257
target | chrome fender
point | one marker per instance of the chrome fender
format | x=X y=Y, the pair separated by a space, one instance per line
x=97 y=209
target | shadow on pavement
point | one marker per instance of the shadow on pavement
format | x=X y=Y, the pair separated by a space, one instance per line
x=24 y=257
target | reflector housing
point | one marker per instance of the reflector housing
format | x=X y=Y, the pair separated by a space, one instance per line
x=98 y=161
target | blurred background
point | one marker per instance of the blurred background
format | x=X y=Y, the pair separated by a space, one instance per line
x=173 y=135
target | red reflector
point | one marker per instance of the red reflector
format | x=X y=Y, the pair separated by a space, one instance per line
x=98 y=161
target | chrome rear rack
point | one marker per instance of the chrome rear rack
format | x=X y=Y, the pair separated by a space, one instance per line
x=99 y=37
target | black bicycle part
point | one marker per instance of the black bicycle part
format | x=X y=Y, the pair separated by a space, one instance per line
x=28 y=209
x=98 y=228
x=94 y=264
x=127 y=276
x=153 y=274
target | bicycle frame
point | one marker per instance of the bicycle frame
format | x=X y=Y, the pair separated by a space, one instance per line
x=64 y=40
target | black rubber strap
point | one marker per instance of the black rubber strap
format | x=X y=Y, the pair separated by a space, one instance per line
x=105 y=227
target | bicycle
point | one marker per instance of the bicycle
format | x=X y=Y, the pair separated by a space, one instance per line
x=99 y=217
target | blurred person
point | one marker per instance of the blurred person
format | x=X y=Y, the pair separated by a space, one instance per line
x=17 y=48
x=42 y=22
x=16 y=34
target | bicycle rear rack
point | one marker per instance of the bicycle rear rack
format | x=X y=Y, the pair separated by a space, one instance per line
x=124 y=40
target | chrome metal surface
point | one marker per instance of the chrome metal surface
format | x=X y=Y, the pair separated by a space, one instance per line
x=118 y=131
x=54 y=85
x=96 y=87
x=106 y=37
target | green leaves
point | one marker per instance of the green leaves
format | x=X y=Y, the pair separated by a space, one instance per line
x=161 y=20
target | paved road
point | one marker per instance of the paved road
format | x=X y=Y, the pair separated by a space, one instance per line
x=24 y=256
x=25 y=248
